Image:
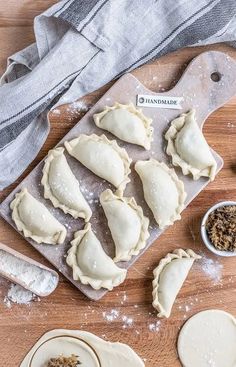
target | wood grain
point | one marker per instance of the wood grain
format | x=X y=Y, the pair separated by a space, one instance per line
x=22 y=325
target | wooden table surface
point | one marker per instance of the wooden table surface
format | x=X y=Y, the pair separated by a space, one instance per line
x=211 y=283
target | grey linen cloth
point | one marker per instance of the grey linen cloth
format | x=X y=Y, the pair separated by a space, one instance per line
x=83 y=44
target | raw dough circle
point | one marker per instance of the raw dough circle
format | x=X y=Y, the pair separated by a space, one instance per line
x=66 y=345
x=208 y=339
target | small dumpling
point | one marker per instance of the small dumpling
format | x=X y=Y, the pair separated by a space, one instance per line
x=103 y=157
x=61 y=186
x=163 y=191
x=127 y=123
x=188 y=147
x=35 y=220
x=90 y=264
x=169 y=277
x=128 y=225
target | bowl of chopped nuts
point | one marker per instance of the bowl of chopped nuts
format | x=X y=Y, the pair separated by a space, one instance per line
x=218 y=228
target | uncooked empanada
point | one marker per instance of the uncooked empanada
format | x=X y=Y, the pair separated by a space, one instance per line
x=35 y=220
x=169 y=277
x=62 y=187
x=128 y=225
x=90 y=264
x=163 y=191
x=188 y=147
x=103 y=157
x=127 y=123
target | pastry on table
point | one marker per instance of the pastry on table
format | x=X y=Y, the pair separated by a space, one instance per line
x=169 y=277
x=103 y=157
x=163 y=191
x=188 y=147
x=59 y=346
x=90 y=264
x=208 y=339
x=127 y=223
x=62 y=187
x=35 y=220
x=127 y=123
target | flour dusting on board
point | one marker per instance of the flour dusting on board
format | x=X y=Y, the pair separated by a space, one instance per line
x=56 y=111
x=78 y=106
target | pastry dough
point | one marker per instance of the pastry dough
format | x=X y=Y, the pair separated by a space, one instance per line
x=90 y=264
x=163 y=191
x=169 y=277
x=103 y=157
x=127 y=123
x=62 y=187
x=35 y=220
x=91 y=350
x=208 y=339
x=128 y=225
x=188 y=147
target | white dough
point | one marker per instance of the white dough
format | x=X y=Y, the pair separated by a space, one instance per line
x=188 y=147
x=128 y=225
x=62 y=187
x=90 y=264
x=127 y=123
x=163 y=191
x=208 y=339
x=35 y=220
x=169 y=277
x=103 y=157
x=91 y=350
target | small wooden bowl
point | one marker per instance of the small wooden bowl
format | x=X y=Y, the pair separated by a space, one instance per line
x=205 y=236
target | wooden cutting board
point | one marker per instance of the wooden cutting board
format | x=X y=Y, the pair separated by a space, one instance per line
x=207 y=84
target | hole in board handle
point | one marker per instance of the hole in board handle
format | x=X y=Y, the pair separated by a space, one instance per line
x=215 y=77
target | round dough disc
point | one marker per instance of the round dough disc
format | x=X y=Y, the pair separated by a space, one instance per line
x=64 y=345
x=208 y=339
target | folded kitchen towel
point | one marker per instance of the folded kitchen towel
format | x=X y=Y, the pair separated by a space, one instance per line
x=81 y=45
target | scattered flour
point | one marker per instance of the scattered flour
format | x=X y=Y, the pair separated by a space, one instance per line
x=187 y=308
x=56 y=111
x=124 y=299
x=19 y=295
x=212 y=268
x=39 y=280
x=154 y=327
x=78 y=106
x=111 y=316
x=115 y=315
x=128 y=321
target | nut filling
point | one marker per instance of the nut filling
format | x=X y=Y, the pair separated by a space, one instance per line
x=221 y=228
x=62 y=361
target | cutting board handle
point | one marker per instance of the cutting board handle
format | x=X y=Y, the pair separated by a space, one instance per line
x=212 y=76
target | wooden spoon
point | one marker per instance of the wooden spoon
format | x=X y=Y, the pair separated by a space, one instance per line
x=31 y=262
